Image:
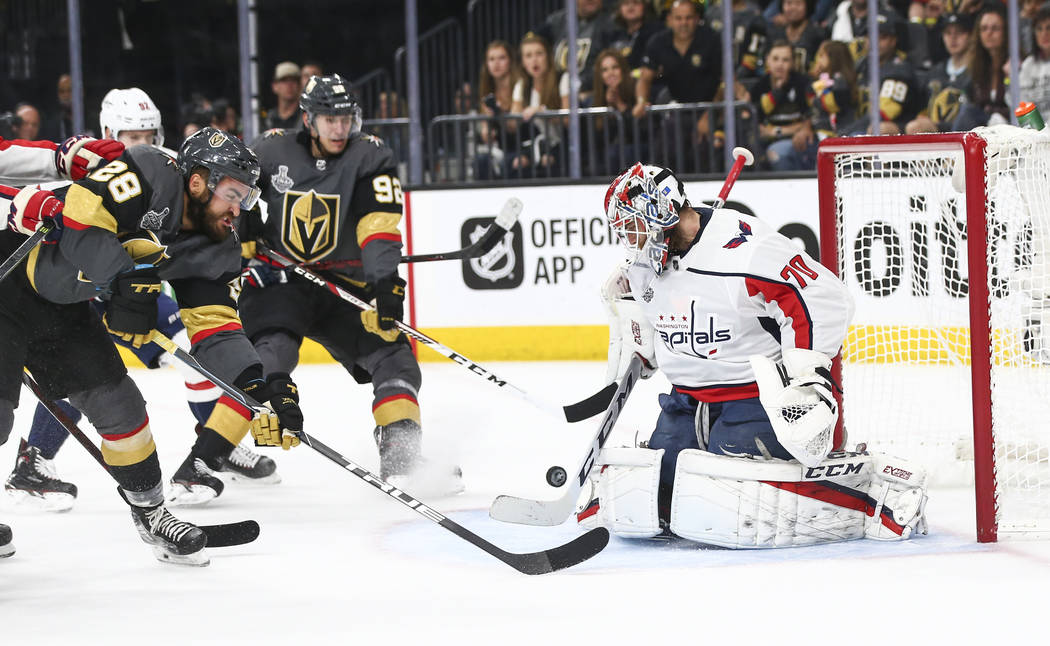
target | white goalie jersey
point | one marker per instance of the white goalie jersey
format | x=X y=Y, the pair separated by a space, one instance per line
x=742 y=289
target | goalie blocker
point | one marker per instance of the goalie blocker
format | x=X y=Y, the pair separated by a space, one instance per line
x=745 y=504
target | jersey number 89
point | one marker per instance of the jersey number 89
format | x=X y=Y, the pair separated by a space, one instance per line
x=122 y=185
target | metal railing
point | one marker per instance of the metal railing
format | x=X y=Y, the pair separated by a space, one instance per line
x=480 y=148
x=395 y=133
x=370 y=88
x=441 y=69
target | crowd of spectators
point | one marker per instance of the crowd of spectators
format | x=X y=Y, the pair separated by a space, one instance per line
x=800 y=66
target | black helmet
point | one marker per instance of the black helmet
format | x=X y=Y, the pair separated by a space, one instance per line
x=224 y=155
x=330 y=94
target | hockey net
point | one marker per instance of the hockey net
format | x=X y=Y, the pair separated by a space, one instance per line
x=944 y=242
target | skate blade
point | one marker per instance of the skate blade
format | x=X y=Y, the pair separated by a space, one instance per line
x=7 y=550
x=231 y=476
x=51 y=501
x=197 y=559
x=180 y=495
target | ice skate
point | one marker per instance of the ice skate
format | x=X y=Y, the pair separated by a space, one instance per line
x=245 y=465
x=7 y=548
x=402 y=465
x=173 y=540
x=34 y=482
x=193 y=483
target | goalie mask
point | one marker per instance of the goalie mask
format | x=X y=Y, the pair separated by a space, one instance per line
x=642 y=205
x=130 y=109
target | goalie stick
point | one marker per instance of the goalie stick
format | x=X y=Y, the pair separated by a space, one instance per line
x=575 y=551
x=224 y=535
x=576 y=412
x=512 y=509
x=495 y=232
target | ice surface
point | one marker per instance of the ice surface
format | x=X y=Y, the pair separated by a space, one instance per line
x=339 y=562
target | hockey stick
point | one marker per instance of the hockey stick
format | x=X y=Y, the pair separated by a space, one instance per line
x=577 y=412
x=495 y=232
x=511 y=509
x=25 y=248
x=575 y=551
x=223 y=535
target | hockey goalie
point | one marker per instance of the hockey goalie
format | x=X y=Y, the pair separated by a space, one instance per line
x=744 y=325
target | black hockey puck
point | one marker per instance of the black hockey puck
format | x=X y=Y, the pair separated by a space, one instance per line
x=556 y=476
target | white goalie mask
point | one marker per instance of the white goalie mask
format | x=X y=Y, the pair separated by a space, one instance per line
x=642 y=204
x=130 y=109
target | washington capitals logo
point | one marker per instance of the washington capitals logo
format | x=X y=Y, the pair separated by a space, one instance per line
x=745 y=231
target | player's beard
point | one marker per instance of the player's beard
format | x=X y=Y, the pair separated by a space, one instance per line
x=210 y=224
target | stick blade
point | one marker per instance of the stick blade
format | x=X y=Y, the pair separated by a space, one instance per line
x=593 y=405
x=230 y=534
x=508 y=215
x=572 y=553
x=523 y=511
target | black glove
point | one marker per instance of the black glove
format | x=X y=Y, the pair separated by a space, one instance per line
x=283 y=397
x=390 y=301
x=132 y=309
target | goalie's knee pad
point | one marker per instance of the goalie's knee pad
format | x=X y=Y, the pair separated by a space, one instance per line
x=741 y=503
x=627 y=487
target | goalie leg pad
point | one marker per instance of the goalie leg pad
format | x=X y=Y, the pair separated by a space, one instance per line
x=745 y=504
x=898 y=489
x=628 y=486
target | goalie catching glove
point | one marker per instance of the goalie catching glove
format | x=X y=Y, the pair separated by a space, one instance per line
x=797 y=396
x=282 y=426
x=630 y=333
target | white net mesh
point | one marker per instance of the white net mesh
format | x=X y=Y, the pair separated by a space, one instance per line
x=902 y=247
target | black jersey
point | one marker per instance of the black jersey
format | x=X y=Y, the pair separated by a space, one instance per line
x=804 y=48
x=346 y=207
x=900 y=97
x=945 y=92
x=784 y=105
x=692 y=77
x=127 y=213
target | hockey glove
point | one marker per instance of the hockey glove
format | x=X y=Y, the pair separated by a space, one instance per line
x=131 y=313
x=630 y=333
x=390 y=301
x=282 y=427
x=80 y=154
x=260 y=275
x=32 y=207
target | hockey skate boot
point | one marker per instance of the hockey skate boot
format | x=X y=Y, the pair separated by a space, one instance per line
x=194 y=483
x=7 y=548
x=245 y=465
x=34 y=482
x=173 y=540
x=401 y=462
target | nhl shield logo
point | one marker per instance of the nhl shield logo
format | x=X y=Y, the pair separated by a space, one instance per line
x=503 y=267
x=280 y=181
x=310 y=224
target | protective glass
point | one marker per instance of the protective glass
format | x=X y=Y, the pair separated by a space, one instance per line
x=234 y=191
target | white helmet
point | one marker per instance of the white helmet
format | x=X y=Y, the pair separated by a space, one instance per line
x=641 y=205
x=130 y=109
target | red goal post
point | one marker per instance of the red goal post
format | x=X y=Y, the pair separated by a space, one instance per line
x=944 y=241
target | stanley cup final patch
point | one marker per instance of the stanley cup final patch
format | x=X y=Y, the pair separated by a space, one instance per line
x=280 y=181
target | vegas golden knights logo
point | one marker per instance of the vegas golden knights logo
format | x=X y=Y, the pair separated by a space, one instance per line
x=310 y=224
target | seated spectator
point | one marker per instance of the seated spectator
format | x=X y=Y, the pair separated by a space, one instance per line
x=496 y=80
x=224 y=116
x=309 y=68
x=636 y=22
x=900 y=94
x=1035 y=70
x=749 y=36
x=593 y=28
x=286 y=87
x=29 y=126
x=614 y=89
x=783 y=98
x=834 y=105
x=986 y=103
x=849 y=24
x=58 y=123
x=537 y=91
x=1026 y=28
x=800 y=32
x=684 y=61
x=948 y=82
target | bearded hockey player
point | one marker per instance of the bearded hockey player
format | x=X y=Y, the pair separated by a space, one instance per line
x=140 y=219
x=334 y=203
x=744 y=325
x=22 y=162
x=130 y=117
